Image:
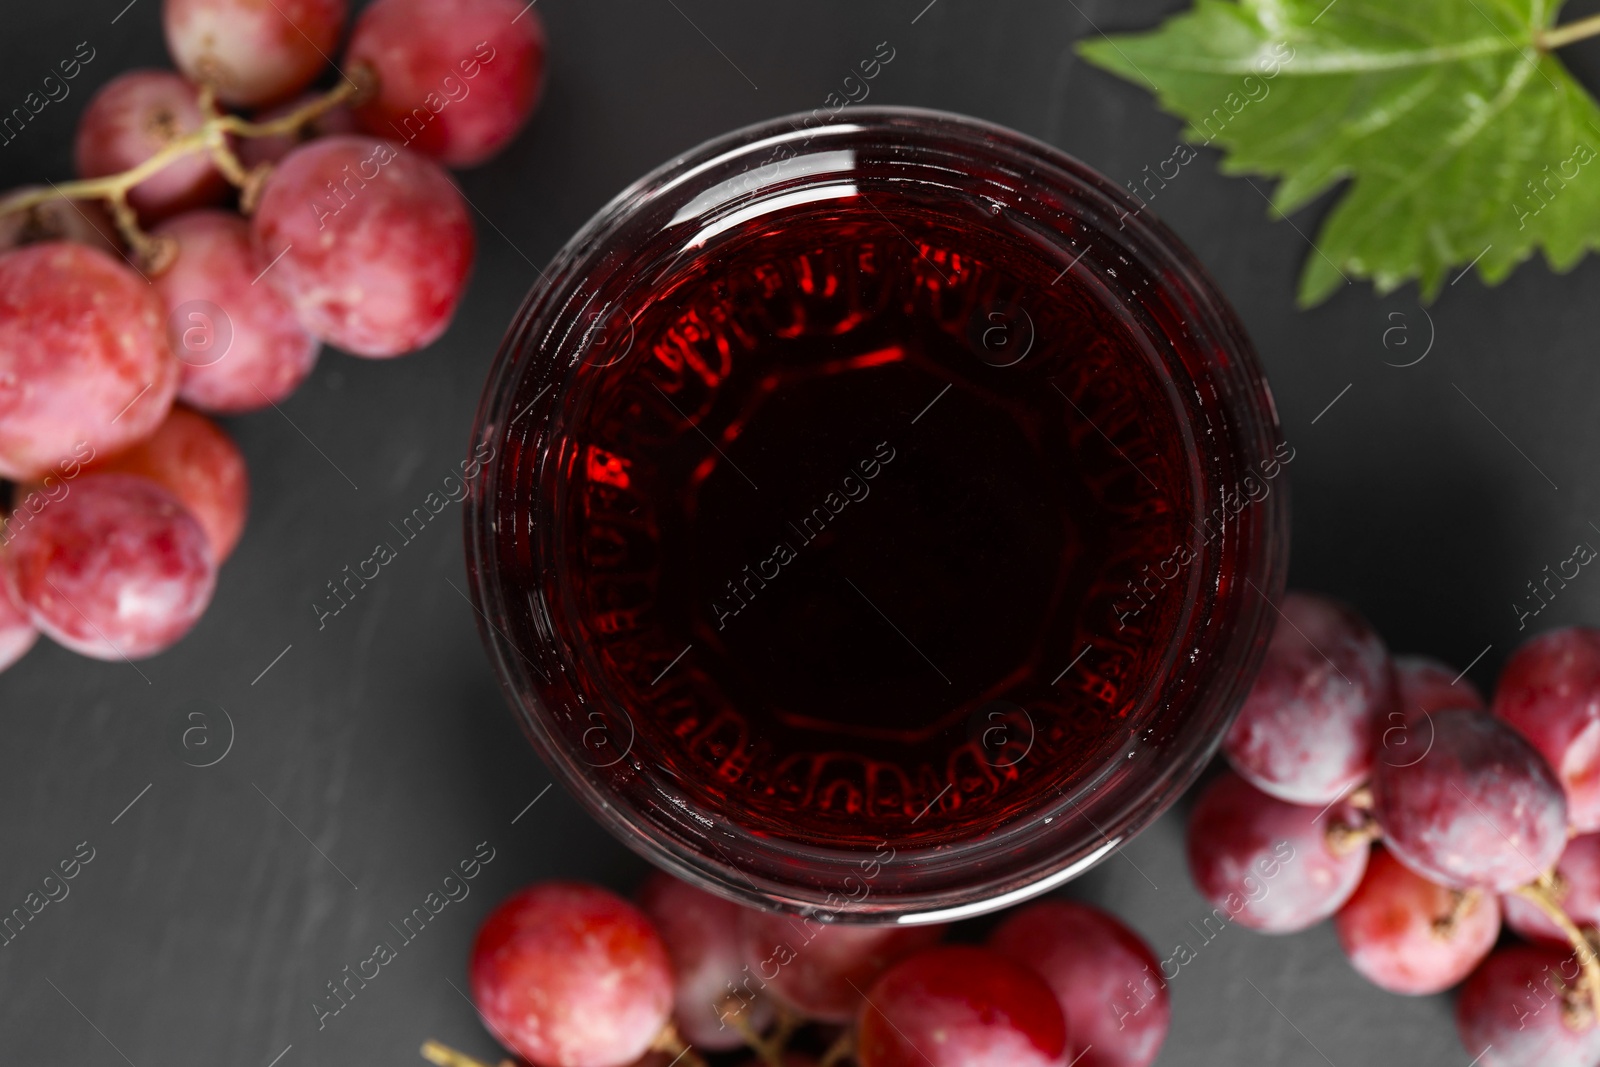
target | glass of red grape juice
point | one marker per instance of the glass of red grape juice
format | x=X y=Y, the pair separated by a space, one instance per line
x=884 y=519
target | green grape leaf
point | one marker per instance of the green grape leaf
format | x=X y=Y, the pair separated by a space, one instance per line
x=1464 y=139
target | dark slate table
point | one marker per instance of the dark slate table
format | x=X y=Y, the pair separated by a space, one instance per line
x=370 y=756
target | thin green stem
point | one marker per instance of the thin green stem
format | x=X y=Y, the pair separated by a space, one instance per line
x=1561 y=36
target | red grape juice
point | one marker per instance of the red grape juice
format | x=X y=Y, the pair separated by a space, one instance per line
x=857 y=516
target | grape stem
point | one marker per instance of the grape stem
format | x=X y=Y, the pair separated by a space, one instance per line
x=770 y=1052
x=1462 y=901
x=211 y=138
x=788 y=1023
x=1543 y=895
x=669 y=1042
x=843 y=1047
x=445 y=1056
x=1561 y=36
x=1343 y=838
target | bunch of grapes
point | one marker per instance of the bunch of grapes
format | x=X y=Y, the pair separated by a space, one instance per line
x=1388 y=795
x=570 y=975
x=198 y=265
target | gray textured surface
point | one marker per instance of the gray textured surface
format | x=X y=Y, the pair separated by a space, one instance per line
x=207 y=921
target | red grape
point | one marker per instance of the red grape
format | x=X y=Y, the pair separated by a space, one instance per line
x=257 y=150
x=1266 y=864
x=456 y=78
x=84 y=363
x=59 y=219
x=1097 y=968
x=1578 y=875
x=17 y=634
x=1423 y=686
x=117 y=568
x=252 y=53
x=570 y=975
x=193 y=459
x=238 y=338
x=960 y=1006
x=1427 y=685
x=1405 y=934
x=820 y=969
x=375 y=243
x=701 y=933
x=1481 y=808
x=1522 y=1008
x=1306 y=731
x=132 y=117
x=1550 y=692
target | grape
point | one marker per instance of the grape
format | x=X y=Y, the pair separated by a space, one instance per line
x=1578 y=873
x=1405 y=934
x=252 y=53
x=117 y=568
x=84 y=363
x=128 y=120
x=1481 y=808
x=375 y=243
x=1105 y=978
x=193 y=459
x=254 y=151
x=1522 y=1009
x=17 y=634
x=456 y=78
x=1423 y=686
x=1270 y=865
x=1306 y=731
x=701 y=933
x=820 y=969
x=1550 y=693
x=960 y=1006
x=570 y=975
x=1427 y=685
x=238 y=338
x=60 y=219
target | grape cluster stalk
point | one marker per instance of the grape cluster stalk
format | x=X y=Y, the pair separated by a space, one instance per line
x=156 y=254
